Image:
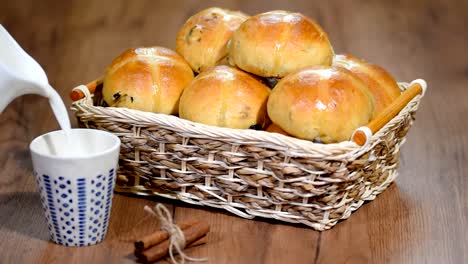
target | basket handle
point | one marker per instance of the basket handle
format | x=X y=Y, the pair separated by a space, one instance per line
x=363 y=134
x=76 y=94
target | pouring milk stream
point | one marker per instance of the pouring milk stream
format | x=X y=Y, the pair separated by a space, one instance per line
x=20 y=74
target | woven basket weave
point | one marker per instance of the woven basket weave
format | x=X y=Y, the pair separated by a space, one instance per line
x=249 y=173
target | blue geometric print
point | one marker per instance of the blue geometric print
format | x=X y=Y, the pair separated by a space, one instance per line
x=110 y=182
x=77 y=209
x=81 y=186
x=45 y=206
x=52 y=211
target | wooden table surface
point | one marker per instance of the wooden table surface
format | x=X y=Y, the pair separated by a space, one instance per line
x=422 y=218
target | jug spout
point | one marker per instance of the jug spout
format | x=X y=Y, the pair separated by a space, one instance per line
x=19 y=73
x=11 y=89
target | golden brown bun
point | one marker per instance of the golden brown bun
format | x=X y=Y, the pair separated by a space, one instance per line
x=320 y=103
x=225 y=97
x=203 y=39
x=381 y=84
x=276 y=43
x=276 y=129
x=147 y=79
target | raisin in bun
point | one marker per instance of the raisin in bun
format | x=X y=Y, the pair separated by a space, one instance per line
x=147 y=79
x=325 y=104
x=276 y=43
x=225 y=97
x=381 y=84
x=203 y=39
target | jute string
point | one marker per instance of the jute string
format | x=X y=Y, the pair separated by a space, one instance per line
x=176 y=236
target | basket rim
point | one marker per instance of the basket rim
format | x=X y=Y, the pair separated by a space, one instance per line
x=292 y=145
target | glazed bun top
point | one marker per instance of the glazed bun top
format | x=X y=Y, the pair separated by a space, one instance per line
x=382 y=85
x=147 y=79
x=325 y=104
x=203 y=39
x=225 y=97
x=276 y=43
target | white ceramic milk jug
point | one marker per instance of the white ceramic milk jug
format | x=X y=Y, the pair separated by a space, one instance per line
x=20 y=74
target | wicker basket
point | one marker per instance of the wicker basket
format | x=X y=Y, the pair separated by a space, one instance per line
x=246 y=172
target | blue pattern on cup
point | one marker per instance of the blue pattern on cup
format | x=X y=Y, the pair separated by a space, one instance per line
x=77 y=210
x=52 y=210
x=95 y=216
x=81 y=183
x=44 y=202
x=110 y=187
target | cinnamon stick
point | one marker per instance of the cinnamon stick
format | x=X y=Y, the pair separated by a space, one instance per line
x=161 y=235
x=192 y=234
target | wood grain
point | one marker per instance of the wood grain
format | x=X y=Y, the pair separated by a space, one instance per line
x=423 y=218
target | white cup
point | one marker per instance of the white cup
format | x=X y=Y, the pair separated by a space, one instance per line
x=76 y=178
